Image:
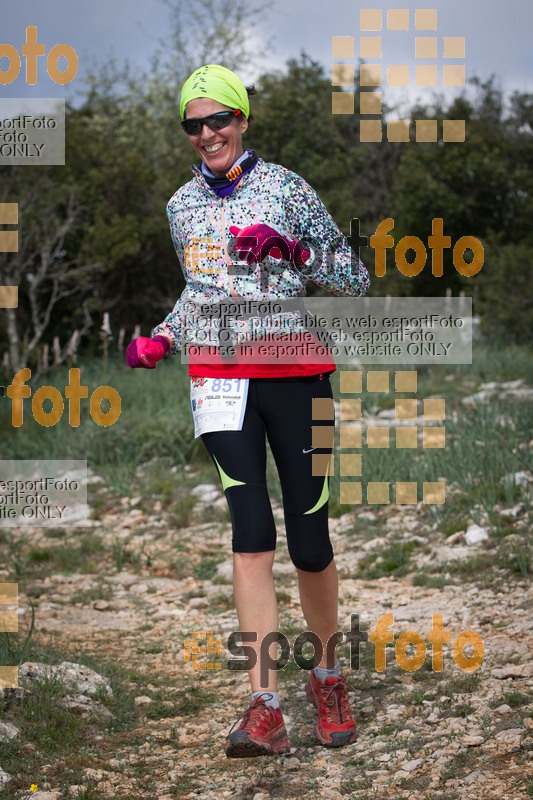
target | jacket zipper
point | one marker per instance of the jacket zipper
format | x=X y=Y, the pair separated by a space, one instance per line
x=230 y=276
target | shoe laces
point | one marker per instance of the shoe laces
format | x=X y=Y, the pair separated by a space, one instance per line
x=254 y=717
x=335 y=697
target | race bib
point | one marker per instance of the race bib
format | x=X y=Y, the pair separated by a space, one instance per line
x=218 y=404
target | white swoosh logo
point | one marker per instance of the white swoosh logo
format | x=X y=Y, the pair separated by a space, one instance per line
x=308 y=451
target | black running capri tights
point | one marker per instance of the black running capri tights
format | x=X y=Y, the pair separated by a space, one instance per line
x=281 y=410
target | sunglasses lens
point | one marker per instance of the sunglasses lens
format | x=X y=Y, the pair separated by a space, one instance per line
x=218 y=121
x=214 y=122
x=192 y=127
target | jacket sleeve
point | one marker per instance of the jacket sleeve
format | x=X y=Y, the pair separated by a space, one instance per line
x=172 y=325
x=332 y=264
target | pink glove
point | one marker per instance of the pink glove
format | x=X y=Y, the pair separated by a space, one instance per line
x=145 y=352
x=256 y=242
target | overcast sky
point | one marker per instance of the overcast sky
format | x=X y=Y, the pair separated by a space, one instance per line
x=497 y=33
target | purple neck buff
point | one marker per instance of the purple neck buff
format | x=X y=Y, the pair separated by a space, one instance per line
x=223 y=185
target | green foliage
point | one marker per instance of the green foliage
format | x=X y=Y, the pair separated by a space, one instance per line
x=431 y=581
x=293 y=125
x=13 y=651
x=181 y=513
x=103 y=591
x=480 y=187
x=49 y=732
x=515 y=699
x=506 y=301
x=206 y=569
x=395 y=559
x=192 y=699
x=519 y=559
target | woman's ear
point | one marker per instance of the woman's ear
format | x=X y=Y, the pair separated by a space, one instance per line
x=244 y=124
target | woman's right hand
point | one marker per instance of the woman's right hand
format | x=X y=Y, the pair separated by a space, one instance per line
x=145 y=352
x=255 y=242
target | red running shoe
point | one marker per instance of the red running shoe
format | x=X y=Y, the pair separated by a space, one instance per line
x=262 y=732
x=336 y=725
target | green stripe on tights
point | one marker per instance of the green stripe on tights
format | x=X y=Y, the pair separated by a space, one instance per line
x=227 y=482
x=323 y=496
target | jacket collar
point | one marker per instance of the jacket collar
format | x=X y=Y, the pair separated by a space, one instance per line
x=200 y=177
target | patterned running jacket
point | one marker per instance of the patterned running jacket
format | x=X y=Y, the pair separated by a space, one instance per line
x=199 y=224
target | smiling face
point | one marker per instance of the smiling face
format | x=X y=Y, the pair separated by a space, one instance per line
x=217 y=149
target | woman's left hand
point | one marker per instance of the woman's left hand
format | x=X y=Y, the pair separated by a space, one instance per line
x=256 y=242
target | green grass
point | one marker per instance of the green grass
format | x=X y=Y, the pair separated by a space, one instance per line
x=14 y=649
x=519 y=560
x=461 y=684
x=181 y=513
x=471 y=567
x=354 y=784
x=458 y=763
x=515 y=699
x=76 y=553
x=155 y=423
x=155 y=420
x=55 y=533
x=336 y=509
x=154 y=435
x=359 y=761
x=193 y=699
x=514 y=362
x=49 y=733
x=388 y=729
x=394 y=560
x=431 y=581
x=69 y=743
x=86 y=597
x=206 y=569
x=476 y=470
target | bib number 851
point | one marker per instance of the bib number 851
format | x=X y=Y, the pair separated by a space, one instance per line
x=226 y=385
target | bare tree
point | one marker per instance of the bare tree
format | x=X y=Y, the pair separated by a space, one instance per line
x=52 y=265
x=211 y=32
x=45 y=273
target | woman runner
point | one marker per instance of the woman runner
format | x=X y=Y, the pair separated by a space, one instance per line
x=236 y=203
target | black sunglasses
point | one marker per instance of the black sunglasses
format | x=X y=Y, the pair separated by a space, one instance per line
x=215 y=122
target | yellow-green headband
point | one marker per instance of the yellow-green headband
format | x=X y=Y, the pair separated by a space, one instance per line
x=216 y=83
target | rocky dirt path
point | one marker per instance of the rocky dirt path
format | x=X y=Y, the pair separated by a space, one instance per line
x=449 y=734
